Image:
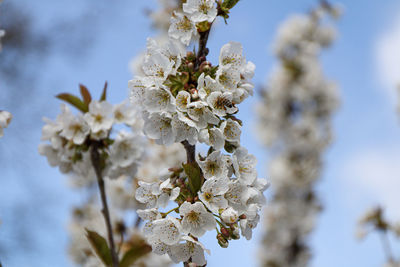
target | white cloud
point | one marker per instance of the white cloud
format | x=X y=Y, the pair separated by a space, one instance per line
x=387 y=52
x=373 y=177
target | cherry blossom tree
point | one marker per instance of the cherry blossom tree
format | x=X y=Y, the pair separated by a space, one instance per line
x=295 y=122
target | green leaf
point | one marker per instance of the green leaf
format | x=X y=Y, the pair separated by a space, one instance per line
x=193 y=172
x=229 y=3
x=134 y=254
x=87 y=98
x=74 y=101
x=100 y=246
x=104 y=93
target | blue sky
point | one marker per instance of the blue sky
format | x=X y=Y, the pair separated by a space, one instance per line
x=361 y=167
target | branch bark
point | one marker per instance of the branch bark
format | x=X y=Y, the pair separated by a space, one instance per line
x=96 y=162
x=191 y=149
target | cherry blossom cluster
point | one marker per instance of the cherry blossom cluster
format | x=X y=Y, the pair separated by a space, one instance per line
x=230 y=203
x=295 y=119
x=374 y=220
x=5 y=119
x=186 y=99
x=70 y=136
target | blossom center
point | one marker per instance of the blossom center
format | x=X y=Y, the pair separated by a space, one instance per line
x=193 y=216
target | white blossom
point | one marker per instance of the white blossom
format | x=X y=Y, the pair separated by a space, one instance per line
x=5 y=116
x=158 y=100
x=184 y=129
x=125 y=113
x=231 y=130
x=147 y=193
x=158 y=67
x=228 y=78
x=215 y=165
x=156 y=194
x=167 y=231
x=207 y=85
x=158 y=126
x=212 y=137
x=237 y=195
x=212 y=193
x=221 y=103
x=196 y=219
x=182 y=28
x=75 y=129
x=126 y=149
x=182 y=100
x=201 y=10
x=190 y=249
x=201 y=114
x=244 y=165
x=99 y=118
x=230 y=215
x=231 y=56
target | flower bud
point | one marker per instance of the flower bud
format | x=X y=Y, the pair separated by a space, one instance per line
x=190 y=55
x=243 y=216
x=194 y=93
x=225 y=232
x=205 y=66
x=235 y=232
x=229 y=215
x=222 y=241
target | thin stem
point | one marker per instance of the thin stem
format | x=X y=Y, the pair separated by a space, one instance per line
x=120 y=244
x=168 y=212
x=386 y=245
x=95 y=157
x=137 y=222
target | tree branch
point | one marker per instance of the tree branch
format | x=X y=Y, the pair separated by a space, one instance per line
x=96 y=162
x=191 y=149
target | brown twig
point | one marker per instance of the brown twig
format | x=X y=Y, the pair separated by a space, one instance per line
x=96 y=162
x=386 y=245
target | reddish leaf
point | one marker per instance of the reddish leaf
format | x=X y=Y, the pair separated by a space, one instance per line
x=104 y=93
x=87 y=98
